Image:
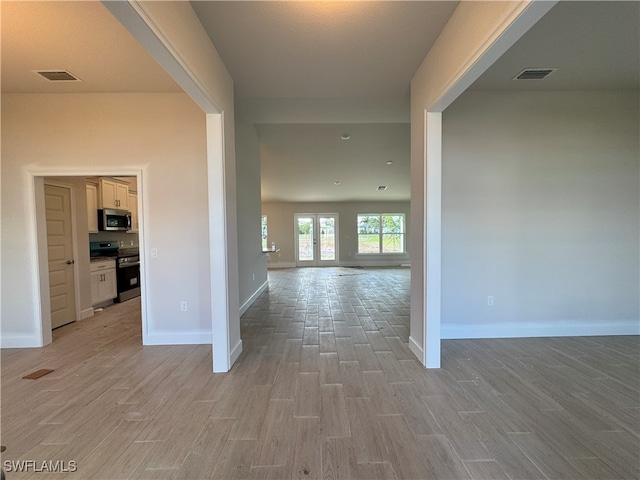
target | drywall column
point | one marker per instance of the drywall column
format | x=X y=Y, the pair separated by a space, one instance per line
x=433 y=243
x=426 y=175
x=477 y=34
x=218 y=236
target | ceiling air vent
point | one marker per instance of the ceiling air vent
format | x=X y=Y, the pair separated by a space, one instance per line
x=534 y=73
x=57 y=75
x=381 y=188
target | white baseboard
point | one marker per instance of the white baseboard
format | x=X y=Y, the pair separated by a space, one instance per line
x=245 y=306
x=371 y=263
x=89 y=312
x=567 y=328
x=199 y=337
x=281 y=265
x=376 y=263
x=416 y=349
x=19 y=341
x=235 y=353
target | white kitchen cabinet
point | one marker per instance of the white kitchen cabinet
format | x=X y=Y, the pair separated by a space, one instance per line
x=103 y=281
x=92 y=207
x=133 y=208
x=114 y=194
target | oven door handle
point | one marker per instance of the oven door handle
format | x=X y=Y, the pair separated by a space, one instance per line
x=128 y=264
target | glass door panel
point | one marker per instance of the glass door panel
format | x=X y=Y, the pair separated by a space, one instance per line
x=327 y=238
x=305 y=241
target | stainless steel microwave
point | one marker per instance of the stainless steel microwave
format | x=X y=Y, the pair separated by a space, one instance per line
x=112 y=220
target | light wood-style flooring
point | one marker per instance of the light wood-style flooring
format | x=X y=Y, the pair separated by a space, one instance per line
x=326 y=387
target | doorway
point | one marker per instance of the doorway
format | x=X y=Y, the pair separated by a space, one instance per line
x=70 y=261
x=316 y=240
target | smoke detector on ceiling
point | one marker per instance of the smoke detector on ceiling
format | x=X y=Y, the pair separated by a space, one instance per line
x=57 y=75
x=534 y=73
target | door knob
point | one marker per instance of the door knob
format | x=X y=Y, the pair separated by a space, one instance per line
x=70 y=262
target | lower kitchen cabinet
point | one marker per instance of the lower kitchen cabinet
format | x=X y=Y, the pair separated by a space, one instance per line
x=103 y=281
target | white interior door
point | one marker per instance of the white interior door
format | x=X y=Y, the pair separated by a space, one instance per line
x=60 y=249
x=316 y=239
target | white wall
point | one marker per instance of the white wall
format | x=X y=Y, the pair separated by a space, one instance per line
x=162 y=135
x=541 y=210
x=252 y=263
x=281 y=230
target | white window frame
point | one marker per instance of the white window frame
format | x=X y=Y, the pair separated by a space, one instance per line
x=381 y=234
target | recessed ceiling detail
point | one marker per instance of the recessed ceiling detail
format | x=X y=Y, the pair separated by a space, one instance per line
x=314 y=49
x=534 y=73
x=303 y=162
x=57 y=75
x=382 y=188
x=345 y=136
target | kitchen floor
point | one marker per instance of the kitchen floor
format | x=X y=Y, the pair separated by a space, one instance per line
x=326 y=387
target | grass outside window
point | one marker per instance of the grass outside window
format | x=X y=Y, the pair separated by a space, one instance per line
x=381 y=233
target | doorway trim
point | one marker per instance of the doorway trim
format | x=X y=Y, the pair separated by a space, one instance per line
x=36 y=212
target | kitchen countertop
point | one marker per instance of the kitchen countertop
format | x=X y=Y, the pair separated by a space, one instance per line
x=101 y=259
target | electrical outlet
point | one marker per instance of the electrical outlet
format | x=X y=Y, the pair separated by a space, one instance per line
x=183 y=306
x=490 y=300
x=254 y=277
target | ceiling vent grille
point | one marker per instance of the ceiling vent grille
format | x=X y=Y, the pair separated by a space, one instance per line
x=534 y=73
x=57 y=75
x=382 y=188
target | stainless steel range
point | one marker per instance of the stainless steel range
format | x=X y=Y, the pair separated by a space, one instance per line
x=128 y=274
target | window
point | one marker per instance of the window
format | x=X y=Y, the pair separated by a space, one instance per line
x=381 y=233
x=264 y=232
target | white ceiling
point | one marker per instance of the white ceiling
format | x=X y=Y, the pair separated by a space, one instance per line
x=301 y=162
x=594 y=45
x=322 y=49
x=306 y=72
x=81 y=37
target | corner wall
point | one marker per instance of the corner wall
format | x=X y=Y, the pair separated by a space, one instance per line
x=252 y=263
x=541 y=202
x=454 y=62
x=172 y=33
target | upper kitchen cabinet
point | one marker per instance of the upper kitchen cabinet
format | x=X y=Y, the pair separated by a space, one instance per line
x=92 y=207
x=114 y=194
x=133 y=208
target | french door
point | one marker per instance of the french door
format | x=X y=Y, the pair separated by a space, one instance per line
x=316 y=239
